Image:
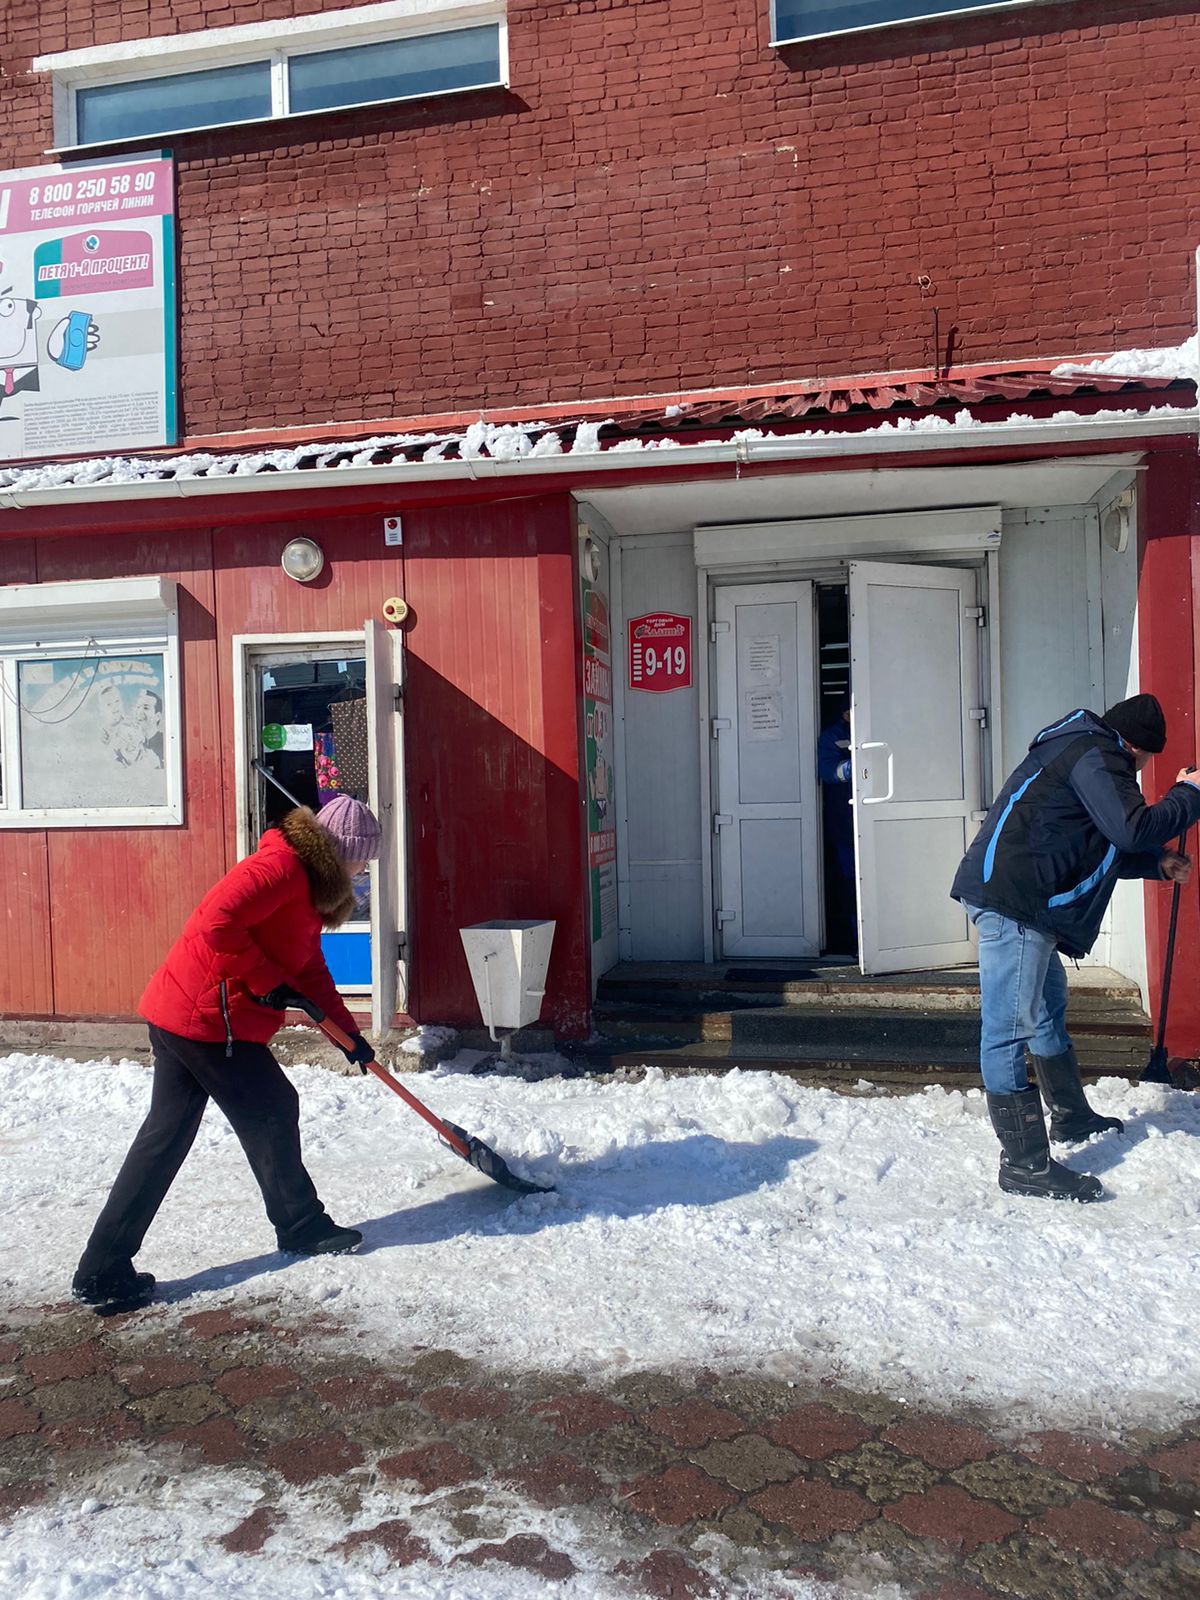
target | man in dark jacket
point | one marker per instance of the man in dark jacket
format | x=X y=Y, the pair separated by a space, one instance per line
x=1037 y=880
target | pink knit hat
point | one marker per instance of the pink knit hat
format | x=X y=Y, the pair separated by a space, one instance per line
x=352 y=827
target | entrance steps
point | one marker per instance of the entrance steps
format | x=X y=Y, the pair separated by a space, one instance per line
x=832 y=1024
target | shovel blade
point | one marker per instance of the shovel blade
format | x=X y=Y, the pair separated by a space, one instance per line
x=1155 y=1070
x=484 y=1159
x=1183 y=1073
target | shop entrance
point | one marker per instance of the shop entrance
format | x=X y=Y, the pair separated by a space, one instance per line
x=311 y=732
x=322 y=716
x=862 y=862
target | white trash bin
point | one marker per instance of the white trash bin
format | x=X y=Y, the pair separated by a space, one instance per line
x=508 y=962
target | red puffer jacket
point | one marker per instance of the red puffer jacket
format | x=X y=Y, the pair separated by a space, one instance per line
x=259 y=927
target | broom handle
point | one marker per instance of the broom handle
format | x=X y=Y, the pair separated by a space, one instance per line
x=345 y=1042
x=1169 y=961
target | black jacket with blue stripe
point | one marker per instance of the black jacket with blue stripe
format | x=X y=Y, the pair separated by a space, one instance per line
x=1068 y=823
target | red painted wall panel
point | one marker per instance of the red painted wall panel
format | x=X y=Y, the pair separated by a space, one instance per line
x=664 y=201
x=1168 y=594
x=26 y=976
x=492 y=742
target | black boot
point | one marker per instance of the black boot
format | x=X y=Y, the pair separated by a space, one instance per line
x=320 y=1237
x=1071 y=1118
x=117 y=1286
x=1025 y=1164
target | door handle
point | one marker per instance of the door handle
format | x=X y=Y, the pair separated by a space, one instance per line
x=880 y=744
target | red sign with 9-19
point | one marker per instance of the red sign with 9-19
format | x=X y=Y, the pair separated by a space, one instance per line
x=660 y=652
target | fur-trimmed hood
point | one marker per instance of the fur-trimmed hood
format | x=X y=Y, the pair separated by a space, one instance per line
x=332 y=891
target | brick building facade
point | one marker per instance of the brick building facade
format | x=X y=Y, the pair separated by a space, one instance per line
x=662 y=201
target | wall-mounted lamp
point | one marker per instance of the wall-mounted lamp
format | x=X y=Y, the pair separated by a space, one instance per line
x=302 y=559
x=1116 y=522
x=591 y=559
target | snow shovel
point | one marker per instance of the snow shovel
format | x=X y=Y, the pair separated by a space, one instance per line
x=1159 y=1069
x=472 y=1150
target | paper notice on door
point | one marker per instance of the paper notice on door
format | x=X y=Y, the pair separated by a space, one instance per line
x=297 y=736
x=762 y=660
x=763 y=719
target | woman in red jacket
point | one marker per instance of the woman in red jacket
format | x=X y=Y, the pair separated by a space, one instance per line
x=213 y=1006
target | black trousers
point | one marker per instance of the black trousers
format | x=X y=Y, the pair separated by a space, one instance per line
x=262 y=1108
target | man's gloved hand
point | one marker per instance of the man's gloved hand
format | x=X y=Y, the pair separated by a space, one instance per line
x=1175 y=868
x=279 y=998
x=360 y=1055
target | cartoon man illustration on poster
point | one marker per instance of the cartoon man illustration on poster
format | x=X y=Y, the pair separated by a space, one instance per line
x=68 y=344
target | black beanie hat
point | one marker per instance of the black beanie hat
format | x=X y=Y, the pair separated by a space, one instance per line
x=1139 y=721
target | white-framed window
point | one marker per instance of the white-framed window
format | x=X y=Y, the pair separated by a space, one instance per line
x=217 y=77
x=90 y=728
x=793 y=21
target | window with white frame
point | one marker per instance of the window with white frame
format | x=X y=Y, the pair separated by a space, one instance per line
x=90 y=732
x=795 y=20
x=333 y=60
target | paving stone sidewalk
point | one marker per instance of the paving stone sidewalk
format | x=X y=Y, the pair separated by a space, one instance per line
x=687 y=1486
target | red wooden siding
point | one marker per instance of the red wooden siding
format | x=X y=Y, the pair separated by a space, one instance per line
x=492 y=743
x=1169 y=659
x=26 y=975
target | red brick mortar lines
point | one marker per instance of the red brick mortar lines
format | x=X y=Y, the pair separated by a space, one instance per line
x=822 y=1481
x=662 y=201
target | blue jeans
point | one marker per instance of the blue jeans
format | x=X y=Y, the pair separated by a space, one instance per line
x=1023 y=999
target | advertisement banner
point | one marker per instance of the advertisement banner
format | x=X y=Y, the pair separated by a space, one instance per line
x=87 y=308
x=598 y=760
x=92 y=732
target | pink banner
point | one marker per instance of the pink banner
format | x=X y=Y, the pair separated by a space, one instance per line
x=56 y=197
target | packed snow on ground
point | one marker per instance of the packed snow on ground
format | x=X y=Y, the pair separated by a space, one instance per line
x=134 y=1545
x=811 y=1232
x=736 y=1221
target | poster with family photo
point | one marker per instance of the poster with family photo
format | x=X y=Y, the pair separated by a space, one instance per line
x=92 y=732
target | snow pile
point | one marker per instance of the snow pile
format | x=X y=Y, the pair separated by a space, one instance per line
x=1177 y=361
x=800 y=1230
x=429 y=1041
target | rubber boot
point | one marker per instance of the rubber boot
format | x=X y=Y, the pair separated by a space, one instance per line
x=321 y=1237
x=118 y=1286
x=1071 y=1118
x=1026 y=1167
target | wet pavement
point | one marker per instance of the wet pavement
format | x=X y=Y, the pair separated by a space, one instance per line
x=677 y=1485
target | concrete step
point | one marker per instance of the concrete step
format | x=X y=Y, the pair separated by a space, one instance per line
x=693 y=1021
x=909 y=1062
x=821 y=994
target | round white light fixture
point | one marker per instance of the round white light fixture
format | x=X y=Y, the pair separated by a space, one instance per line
x=591 y=560
x=1116 y=528
x=302 y=559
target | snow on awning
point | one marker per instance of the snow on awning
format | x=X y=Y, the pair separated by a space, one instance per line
x=658 y=422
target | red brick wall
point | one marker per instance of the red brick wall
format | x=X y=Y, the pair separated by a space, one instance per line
x=663 y=201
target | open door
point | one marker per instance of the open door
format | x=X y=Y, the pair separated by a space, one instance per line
x=389 y=943
x=916 y=731
x=768 y=837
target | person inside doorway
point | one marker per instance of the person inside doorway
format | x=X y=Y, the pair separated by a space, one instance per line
x=1037 y=880
x=252 y=945
x=834 y=769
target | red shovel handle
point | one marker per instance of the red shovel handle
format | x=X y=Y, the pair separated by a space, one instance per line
x=345 y=1042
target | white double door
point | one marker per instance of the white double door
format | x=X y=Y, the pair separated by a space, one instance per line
x=916 y=735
